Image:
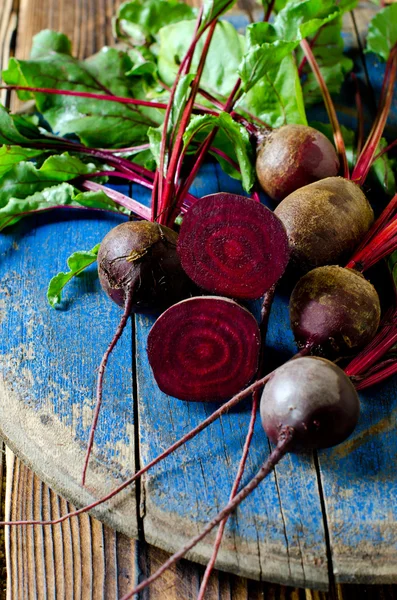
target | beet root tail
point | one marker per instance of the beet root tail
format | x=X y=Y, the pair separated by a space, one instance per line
x=101 y=372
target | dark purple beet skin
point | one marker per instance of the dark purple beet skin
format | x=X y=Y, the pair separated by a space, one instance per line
x=294 y=156
x=233 y=246
x=142 y=256
x=334 y=311
x=315 y=398
x=204 y=349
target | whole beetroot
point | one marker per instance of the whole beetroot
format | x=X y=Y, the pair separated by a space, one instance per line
x=294 y=156
x=141 y=256
x=325 y=221
x=315 y=399
x=334 y=311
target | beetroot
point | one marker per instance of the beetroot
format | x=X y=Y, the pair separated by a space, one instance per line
x=233 y=246
x=313 y=397
x=141 y=257
x=325 y=221
x=204 y=349
x=294 y=156
x=334 y=311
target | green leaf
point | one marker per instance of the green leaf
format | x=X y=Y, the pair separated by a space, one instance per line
x=139 y=21
x=24 y=178
x=97 y=123
x=77 y=263
x=213 y=9
x=299 y=20
x=392 y=264
x=48 y=41
x=155 y=136
x=9 y=133
x=327 y=47
x=239 y=147
x=268 y=44
x=224 y=56
x=382 y=173
x=12 y=155
x=13 y=209
x=277 y=98
x=382 y=32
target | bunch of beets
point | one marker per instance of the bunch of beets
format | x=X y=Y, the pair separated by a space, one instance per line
x=199 y=271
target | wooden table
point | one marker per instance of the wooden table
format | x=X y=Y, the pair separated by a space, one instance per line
x=82 y=558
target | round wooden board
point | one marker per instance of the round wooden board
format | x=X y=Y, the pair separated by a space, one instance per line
x=47 y=385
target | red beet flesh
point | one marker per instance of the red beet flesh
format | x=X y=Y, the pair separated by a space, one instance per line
x=204 y=349
x=294 y=156
x=315 y=398
x=334 y=311
x=142 y=256
x=233 y=246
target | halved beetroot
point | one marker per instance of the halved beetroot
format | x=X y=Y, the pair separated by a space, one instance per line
x=204 y=349
x=233 y=246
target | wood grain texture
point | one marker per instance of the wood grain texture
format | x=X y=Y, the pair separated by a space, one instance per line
x=80 y=559
x=85 y=560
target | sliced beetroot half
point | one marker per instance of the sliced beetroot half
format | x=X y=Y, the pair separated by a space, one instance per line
x=233 y=246
x=204 y=349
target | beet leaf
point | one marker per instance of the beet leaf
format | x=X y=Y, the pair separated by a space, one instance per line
x=138 y=21
x=100 y=124
x=77 y=263
x=382 y=32
x=232 y=138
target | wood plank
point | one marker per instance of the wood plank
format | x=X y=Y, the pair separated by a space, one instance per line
x=70 y=561
x=123 y=559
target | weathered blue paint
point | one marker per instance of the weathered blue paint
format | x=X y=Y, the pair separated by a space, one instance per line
x=49 y=357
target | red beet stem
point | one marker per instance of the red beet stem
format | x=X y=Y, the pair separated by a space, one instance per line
x=269 y=10
x=123 y=322
x=383 y=244
x=366 y=157
x=382 y=374
x=169 y=183
x=121 y=175
x=304 y=59
x=105 y=97
x=388 y=214
x=360 y=114
x=41 y=210
x=186 y=61
x=233 y=246
x=181 y=442
x=385 y=150
x=236 y=485
x=139 y=210
x=285 y=440
x=384 y=340
x=202 y=152
x=329 y=105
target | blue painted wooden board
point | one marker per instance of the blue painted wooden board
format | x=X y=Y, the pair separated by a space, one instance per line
x=47 y=387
